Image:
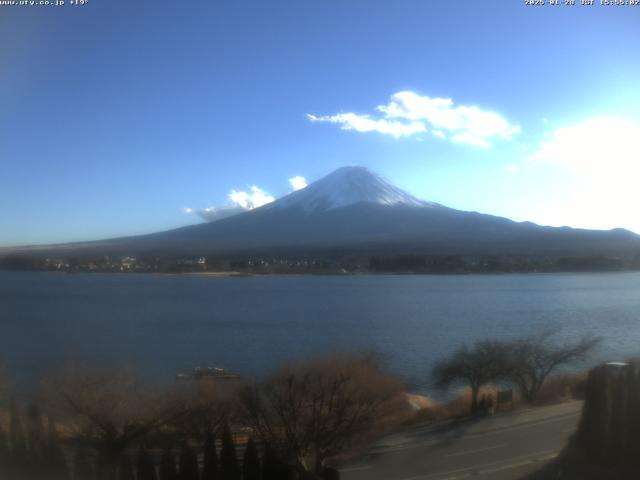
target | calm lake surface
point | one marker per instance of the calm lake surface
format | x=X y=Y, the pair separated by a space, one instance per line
x=168 y=324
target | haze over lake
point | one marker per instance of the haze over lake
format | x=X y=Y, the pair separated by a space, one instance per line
x=168 y=324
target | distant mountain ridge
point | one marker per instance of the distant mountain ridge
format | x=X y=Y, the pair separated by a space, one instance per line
x=355 y=210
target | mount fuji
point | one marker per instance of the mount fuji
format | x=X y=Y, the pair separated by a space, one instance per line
x=348 y=186
x=353 y=210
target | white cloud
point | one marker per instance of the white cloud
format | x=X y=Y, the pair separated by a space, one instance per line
x=601 y=158
x=250 y=200
x=211 y=214
x=363 y=123
x=297 y=182
x=511 y=168
x=241 y=202
x=409 y=113
x=471 y=139
x=601 y=145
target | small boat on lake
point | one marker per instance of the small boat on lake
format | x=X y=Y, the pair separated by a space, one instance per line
x=208 y=373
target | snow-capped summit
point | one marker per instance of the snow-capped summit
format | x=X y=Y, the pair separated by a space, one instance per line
x=348 y=186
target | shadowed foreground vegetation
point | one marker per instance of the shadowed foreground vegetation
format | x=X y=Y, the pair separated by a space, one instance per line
x=108 y=425
x=113 y=427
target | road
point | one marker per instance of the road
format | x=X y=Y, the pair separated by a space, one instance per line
x=503 y=447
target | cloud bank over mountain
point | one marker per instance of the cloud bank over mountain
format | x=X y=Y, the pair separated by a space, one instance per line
x=242 y=201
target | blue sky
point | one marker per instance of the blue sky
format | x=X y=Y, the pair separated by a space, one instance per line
x=118 y=117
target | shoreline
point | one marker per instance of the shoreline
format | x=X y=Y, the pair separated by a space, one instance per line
x=237 y=274
x=218 y=274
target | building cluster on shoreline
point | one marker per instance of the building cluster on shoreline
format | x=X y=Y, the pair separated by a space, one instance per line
x=195 y=264
x=324 y=263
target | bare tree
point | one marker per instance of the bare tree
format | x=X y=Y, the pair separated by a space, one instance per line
x=532 y=359
x=206 y=405
x=483 y=363
x=313 y=410
x=110 y=411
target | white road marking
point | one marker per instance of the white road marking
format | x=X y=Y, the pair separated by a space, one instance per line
x=355 y=469
x=471 y=436
x=478 y=450
x=525 y=425
x=519 y=415
x=491 y=467
x=517 y=464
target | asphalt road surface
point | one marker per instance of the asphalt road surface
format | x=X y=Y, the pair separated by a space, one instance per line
x=505 y=446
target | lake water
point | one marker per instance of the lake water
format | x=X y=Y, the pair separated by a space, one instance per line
x=167 y=324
